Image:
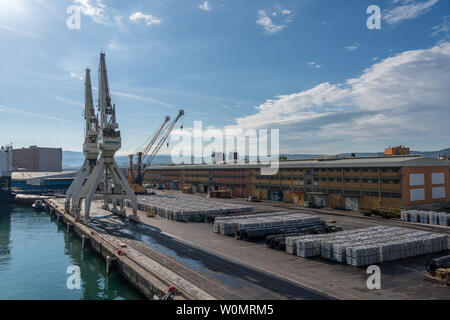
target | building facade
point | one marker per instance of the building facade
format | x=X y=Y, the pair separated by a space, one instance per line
x=351 y=183
x=36 y=159
x=42 y=182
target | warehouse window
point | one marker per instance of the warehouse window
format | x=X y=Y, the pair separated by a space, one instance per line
x=437 y=178
x=438 y=192
x=416 y=179
x=417 y=194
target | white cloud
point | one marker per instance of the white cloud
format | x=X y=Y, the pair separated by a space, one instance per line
x=114 y=45
x=13 y=110
x=279 y=19
x=94 y=9
x=142 y=98
x=408 y=9
x=314 y=65
x=21 y=32
x=205 y=6
x=265 y=21
x=402 y=97
x=147 y=19
x=442 y=28
x=73 y=75
x=352 y=47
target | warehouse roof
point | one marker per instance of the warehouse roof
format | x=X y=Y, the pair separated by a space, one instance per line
x=363 y=162
x=25 y=175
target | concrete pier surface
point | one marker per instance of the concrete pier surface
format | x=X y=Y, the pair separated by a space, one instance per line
x=204 y=265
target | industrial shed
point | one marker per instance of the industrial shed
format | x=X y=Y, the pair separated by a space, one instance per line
x=357 y=183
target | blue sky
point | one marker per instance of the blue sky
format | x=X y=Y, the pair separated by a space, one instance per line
x=310 y=68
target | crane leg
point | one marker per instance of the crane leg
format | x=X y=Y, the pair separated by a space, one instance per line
x=76 y=185
x=119 y=180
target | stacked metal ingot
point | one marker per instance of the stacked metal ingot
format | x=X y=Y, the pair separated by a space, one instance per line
x=258 y=226
x=423 y=217
x=228 y=225
x=444 y=219
x=428 y=217
x=370 y=245
x=187 y=208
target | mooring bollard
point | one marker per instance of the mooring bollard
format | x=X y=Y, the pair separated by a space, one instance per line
x=84 y=239
x=108 y=264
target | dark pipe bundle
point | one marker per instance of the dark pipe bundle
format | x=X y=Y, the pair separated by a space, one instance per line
x=434 y=264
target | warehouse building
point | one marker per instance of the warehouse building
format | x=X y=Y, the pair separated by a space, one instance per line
x=363 y=183
x=37 y=159
x=42 y=182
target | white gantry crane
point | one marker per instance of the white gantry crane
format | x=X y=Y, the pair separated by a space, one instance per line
x=106 y=182
x=90 y=146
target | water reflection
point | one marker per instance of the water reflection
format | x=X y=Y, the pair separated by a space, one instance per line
x=35 y=252
x=5 y=233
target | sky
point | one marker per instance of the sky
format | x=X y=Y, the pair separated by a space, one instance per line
x=310 y=68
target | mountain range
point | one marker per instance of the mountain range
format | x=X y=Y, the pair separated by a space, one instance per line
x=72 y=160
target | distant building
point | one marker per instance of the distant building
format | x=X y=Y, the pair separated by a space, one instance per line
x=364 y=183
x=233 y=157
x=36 y=159
x=218 y=157
x=42 y=182
x=396 y=151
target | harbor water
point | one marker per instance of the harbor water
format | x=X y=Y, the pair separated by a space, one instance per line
x=39 y=259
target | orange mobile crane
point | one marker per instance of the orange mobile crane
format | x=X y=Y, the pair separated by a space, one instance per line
x=135 y=176
x=135 y=173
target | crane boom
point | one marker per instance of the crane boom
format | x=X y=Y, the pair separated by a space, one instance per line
x=90 y=147
x=155 y=137
x=164 y=137
x=135 y=176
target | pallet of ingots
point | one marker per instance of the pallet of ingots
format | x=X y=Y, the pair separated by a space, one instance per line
x=253 y=227
x=337 y=251
x=369 y=246
x=279 y=241
x=187 y=208
x=329 y=246
x=408 y=246
x=428 y=217
x=260 y=228
x=386 y=242
x=385 y=234
x=228 y=225
x=309 y=246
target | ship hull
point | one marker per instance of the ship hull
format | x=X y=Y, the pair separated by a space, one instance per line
x=6 y=197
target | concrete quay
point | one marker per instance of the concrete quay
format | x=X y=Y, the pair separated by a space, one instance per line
x=205 y=265
x=152 y=261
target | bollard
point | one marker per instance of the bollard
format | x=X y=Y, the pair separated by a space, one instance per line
x=84 y=239
x=108 y=264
